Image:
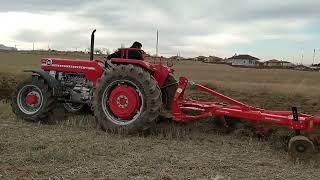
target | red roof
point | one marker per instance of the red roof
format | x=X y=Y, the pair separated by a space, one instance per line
x=273 y=61
x=243 y=56
x=276 y=61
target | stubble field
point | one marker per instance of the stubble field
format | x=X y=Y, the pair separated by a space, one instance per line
x=74 y=148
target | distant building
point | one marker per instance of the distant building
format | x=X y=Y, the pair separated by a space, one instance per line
x=212 y=59
x=209 y=59
x=189 y=59
x=243 y=60
x=314 y=67
x=176 y=58
x=201 y=58
x=5 y=48
x=277 y=63
x=302 y=67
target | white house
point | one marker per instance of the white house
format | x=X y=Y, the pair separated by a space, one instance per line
x=277 y=63
x=287 y=64
x=212 y=59
x=243 y=60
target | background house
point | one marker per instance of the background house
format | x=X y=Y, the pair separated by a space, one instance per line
x=200 y=58
x=243 y=60
x=176 y=58
x=287 y=64
x=212 y=59
x=280 y=64
x=302 y=67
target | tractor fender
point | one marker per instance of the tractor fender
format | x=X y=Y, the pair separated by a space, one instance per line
x=141 y=63
x=52 y=82
x=159 y=72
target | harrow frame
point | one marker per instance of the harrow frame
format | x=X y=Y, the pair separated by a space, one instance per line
x=180 y=107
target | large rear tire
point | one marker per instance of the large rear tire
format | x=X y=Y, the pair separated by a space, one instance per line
x=32 y=100
x=127 y=99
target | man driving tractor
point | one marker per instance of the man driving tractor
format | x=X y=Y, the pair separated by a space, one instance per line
x=132 y=54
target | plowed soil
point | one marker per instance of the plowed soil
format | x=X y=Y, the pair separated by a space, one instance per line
x=74 y=148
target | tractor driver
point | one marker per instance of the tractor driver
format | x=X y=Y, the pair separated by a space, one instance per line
x=132 y=54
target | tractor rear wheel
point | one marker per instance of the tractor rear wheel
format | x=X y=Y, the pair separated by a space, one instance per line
x=32 y=100
x=127 y=99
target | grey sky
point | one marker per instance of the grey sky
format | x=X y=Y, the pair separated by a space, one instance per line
x=266 y=29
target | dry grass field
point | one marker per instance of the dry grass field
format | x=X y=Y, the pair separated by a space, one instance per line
x=74 y=148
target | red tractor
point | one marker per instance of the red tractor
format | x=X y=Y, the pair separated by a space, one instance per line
x=129 y=95
x=123 y=93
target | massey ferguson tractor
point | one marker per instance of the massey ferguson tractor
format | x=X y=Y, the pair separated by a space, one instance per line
x=129 y=95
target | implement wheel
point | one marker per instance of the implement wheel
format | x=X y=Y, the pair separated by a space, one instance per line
x=127 y=99
x=300 y=147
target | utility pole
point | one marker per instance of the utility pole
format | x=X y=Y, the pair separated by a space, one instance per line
x=302 y=59
x=33 y=46
x=157 y=45
x=314 y=55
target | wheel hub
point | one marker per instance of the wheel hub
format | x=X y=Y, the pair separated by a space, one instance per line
x=301 y=148
x=32 y=99
x=124 y=102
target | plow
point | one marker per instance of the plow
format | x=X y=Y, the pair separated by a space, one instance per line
x=130 y=95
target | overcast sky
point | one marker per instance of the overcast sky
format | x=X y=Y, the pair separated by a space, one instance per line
x=265 y=29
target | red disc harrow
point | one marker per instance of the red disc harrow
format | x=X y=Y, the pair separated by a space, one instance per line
x=300 y=146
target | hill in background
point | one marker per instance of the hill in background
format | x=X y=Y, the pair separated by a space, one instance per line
x=6 y=48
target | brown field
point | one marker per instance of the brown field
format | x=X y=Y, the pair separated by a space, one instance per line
x=74 y=148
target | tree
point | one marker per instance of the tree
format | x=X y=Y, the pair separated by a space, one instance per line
x=97 y=51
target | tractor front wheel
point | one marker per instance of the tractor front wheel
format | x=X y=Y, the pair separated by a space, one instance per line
x=32 y=100
x=127 y=99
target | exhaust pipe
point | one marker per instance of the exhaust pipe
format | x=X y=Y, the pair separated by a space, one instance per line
x=92 y=45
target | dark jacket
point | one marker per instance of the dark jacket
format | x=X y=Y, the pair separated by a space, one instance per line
x=132 y=54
